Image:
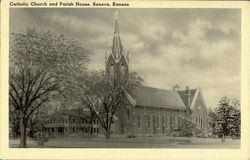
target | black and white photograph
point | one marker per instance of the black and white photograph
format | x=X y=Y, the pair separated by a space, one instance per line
x=125 y=78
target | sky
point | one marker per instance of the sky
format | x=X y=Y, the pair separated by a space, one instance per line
x=189 y=47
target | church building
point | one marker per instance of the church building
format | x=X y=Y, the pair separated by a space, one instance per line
x=152 y=110
x=149 y=111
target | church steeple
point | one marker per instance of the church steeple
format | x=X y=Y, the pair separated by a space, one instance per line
x=116 y=23
x=116 y=58
x=117 y=45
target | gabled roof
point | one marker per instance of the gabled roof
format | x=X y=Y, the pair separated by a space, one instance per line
x=184 y=98
x=194 y=93
x=154 y=97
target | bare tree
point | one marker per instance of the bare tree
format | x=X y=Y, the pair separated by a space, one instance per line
x=40 y=65
x=96 y=93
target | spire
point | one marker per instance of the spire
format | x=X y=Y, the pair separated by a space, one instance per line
x=117 y=46
x=116 y=23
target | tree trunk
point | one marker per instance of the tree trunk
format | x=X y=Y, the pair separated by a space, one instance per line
x=222 y=138
x=23 y=126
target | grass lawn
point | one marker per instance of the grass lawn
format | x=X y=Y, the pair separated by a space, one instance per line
x=138 y=142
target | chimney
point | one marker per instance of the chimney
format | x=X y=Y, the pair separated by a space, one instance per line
x=176 y=88
x=188 y=97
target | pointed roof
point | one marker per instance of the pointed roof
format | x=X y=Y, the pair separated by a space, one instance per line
x=116 y=23
x=194 y=93
x=117 y=45
x=184 y=97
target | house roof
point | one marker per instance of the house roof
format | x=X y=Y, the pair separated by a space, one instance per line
x=184 y=98
x=154 y=97
x=71 y=112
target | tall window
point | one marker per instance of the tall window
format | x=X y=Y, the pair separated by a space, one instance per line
x=158 y=121
x=149 y=119
x=166 y=122
x=145 y=120
x=127 y=110
x=162 y=121
x=139 y=121
x=123 y=69
x=112 y=72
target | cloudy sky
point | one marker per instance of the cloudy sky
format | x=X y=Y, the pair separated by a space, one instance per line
x=195 y=47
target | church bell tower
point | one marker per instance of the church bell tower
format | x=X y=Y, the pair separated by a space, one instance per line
x=117 y=59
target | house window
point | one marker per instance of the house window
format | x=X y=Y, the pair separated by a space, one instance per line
x=73 y=120
x=139 y=121
x=73 y=129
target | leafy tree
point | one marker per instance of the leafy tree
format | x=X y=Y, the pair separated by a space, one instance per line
x=95 y=92
x=40 y=65
x=212 y=117
x=235 y=119
x=227 y=119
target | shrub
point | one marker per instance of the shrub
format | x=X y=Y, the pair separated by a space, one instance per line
x=40 y=138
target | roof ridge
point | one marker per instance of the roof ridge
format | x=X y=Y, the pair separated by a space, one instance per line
x=157 y=88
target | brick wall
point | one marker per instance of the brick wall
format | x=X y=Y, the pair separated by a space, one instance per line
x=152 y=120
